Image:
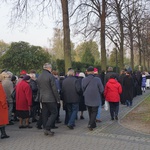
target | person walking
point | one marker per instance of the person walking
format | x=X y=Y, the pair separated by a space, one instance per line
x=82 y=106
x=112 y=93
x=128 y=85
x=49 y=97
x=143 y=82
x=92 y=89
x=8 y=88
x=35 y=103
x=23 y=101
x=98 y=117
x=70 y=90
x=3 y=110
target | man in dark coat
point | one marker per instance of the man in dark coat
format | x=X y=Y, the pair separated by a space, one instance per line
x=70 y=89
x=49 y=97
x=120 y=79
x=92 y=90
x=108 y=74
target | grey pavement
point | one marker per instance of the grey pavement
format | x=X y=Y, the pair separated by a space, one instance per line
x=109 y=135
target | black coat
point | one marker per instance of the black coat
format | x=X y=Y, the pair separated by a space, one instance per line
x=47 y=87
x=70 y=89
x=128 y=85
x=121 y=80
x=34 y=87
x=82 y=106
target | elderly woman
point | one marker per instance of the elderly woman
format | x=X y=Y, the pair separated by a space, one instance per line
x=3 y=110
x=8 y=88
x=23 y=101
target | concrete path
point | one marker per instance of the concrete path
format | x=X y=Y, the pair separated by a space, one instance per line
x=109 y=135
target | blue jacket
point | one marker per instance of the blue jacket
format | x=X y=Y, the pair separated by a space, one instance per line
x=143 y=80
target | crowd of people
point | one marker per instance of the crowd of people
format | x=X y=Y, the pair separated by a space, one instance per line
x=38 y=99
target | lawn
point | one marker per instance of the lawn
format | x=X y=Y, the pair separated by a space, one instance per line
x=139 y=118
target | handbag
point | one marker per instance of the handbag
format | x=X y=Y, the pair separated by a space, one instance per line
x=106 y=105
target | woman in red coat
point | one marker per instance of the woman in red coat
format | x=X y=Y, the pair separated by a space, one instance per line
x=3 y=110
x=23 y=101
x=112 y=93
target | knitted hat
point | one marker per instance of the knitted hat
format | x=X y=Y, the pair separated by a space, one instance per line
x=23 y=72
x=95 y=70
x=91 y=68
x=26 y=77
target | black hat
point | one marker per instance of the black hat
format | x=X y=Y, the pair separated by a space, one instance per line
x=91 y=68
x=26 y=77
x=13 y=78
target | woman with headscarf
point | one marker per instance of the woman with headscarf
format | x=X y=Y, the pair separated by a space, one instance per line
x=23 y=101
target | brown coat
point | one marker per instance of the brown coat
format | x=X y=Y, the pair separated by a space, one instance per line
x=3 y=107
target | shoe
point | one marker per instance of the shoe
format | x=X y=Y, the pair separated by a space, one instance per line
x=16 y=119
x=4 y=136
x=58 y=121
x=55 y=127
x=116 y=117
x=47 y=132
x=81 y=117
x=28 y=126
x=112 y=118
x=98 y=121
x=34 y=120
x=11 y=123
x=70 y=127
x=90 y=128
x=22 y=126
x=39 y=127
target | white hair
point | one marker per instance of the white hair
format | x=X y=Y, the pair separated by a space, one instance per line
x=70 y=72
x=47 y=65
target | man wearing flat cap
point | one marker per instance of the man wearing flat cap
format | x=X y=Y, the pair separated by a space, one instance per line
x=92 y=90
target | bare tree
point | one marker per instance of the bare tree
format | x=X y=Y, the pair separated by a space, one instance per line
x=90 y=22
x=66 y=29
x=130 y=13
x=24 y=9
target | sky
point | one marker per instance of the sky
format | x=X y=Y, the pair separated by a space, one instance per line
x=35 y=33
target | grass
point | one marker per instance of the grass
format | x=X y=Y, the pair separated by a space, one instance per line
x=139 y=118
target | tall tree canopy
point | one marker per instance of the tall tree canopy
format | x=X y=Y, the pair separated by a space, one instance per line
x=21 y=55
x=93 y=48
x=87 y=56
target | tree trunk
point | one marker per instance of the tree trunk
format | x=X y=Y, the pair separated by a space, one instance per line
x=66 y=30
x=103 y=47
x=121 y=59
x=131 y=46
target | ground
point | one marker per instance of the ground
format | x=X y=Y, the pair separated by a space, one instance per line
x=139 y=118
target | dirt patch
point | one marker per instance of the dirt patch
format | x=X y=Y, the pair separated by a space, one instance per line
x=139 y=118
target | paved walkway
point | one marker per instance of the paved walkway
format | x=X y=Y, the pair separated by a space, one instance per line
x=109 y=135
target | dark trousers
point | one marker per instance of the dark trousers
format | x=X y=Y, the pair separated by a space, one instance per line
x=49 y=114
x=92 y=115
x=35 y=110
x=58 y=108
x=40 y=120
x=114 y=109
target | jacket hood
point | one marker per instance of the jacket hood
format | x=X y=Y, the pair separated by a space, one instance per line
x=112 y=81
